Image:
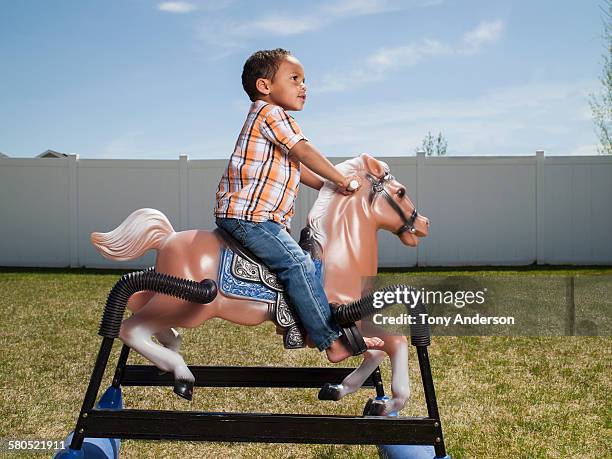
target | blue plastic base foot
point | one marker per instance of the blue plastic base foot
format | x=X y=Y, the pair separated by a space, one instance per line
x=408 y=452
x=69 y=454
x=112 y=399
x=97 y=448
x=93 y=448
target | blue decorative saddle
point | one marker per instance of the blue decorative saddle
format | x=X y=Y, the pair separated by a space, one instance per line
x=243 y=275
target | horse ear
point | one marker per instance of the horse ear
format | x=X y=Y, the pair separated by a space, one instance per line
x=373 y=166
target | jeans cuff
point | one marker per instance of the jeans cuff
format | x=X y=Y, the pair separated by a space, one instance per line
x=330 y=339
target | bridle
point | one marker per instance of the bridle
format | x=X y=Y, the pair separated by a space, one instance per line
x=378 y=188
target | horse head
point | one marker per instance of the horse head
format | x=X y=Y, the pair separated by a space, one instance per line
x=390 y=206
x=383 y=201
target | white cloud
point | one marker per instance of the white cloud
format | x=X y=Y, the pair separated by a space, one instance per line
x=376 y=66
x=357 y=7
x=232 y=35
x=406 y=55
x=281 y=25
x=487 y=32
x=291 y=24
x=507 y=120
x=176 y=7
x=379 y=64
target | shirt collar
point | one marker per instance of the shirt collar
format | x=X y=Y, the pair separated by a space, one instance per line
x=258 y=104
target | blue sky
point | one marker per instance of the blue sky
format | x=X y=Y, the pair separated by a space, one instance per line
x=153 y=79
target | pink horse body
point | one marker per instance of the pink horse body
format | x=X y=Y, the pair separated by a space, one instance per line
x=345 y=226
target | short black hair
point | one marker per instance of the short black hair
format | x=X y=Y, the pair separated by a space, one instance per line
x=261 y=64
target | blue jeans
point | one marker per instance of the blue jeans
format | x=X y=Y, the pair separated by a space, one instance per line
x=295 y=270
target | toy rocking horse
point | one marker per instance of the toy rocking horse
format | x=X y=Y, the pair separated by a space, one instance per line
x=341 y=237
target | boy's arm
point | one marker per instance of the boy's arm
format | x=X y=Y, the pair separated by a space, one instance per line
x=312 y=158
x=309 y=178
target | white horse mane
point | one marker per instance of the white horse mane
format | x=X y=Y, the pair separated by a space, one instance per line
x=328 y=191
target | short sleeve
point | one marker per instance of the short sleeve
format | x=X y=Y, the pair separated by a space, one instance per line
x=281 y=129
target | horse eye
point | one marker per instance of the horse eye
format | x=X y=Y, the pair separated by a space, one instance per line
x=401 y=192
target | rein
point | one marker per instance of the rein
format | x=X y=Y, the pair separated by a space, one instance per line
x=378 y=188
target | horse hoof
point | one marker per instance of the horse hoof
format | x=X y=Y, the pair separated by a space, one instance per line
x=330 y=392
x=374 y=408
x=184 y=388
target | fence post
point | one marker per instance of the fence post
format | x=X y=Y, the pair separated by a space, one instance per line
x=184 y=192
x=539 y=207
x=420 y=164
x=73 y=209
x=570 y=324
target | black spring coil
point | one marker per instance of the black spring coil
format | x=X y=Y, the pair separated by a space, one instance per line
x=185 y=289
x=347 y=314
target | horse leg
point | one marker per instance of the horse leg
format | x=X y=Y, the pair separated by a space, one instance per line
x=397 y=348
x=137 y=334
x=354 y=381
x=169 y=338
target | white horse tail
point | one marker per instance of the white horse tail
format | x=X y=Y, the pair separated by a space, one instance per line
x=144 y=229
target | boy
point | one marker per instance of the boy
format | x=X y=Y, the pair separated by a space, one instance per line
x=256 y=194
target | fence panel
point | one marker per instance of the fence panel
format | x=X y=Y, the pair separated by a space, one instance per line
x=576 y=221
x=34 y=212
x=110 y=190
x=482 y=211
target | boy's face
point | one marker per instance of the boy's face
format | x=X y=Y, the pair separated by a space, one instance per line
x=288 y=89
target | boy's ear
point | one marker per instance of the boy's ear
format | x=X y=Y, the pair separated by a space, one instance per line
x=263 y=86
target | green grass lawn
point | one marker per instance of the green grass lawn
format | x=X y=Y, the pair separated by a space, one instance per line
x=508 y=397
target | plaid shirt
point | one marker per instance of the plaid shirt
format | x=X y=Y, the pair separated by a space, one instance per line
x=261 y=181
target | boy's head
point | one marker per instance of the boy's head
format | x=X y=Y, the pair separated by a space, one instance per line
x=275 y=76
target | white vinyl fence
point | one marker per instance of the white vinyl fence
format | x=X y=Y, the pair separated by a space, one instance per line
x=483 y=210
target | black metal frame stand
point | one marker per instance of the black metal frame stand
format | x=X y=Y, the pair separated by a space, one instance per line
x=252 y=427
x=241 y=427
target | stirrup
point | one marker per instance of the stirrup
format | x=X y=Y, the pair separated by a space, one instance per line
x=354 y=339
x=352 y=336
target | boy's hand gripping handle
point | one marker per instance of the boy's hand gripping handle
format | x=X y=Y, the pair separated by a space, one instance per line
x=353 y=185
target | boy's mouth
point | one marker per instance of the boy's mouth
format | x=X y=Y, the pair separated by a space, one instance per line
x=303 y=97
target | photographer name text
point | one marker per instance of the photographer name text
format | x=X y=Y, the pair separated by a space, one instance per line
x=459 y=319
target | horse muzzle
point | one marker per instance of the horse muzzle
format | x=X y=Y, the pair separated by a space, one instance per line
x=421 y=226
x=420 y=229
